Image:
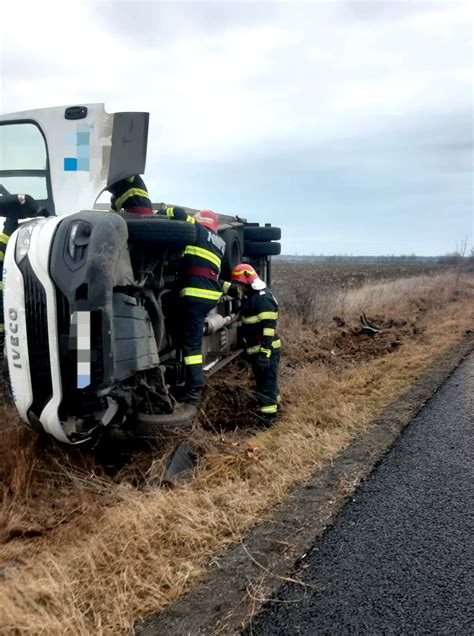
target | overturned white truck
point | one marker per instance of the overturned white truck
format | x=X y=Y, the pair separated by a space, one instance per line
x=90 y=303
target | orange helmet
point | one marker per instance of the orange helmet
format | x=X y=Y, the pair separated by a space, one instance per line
x=208 y=218
x=244 y=273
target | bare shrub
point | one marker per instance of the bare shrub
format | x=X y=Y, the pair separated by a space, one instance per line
x=470 y=262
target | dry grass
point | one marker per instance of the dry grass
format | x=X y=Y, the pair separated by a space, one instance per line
x=152 y=546
x=399 y=298
x=403 y=296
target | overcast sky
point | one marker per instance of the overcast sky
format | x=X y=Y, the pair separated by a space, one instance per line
x=348 y=124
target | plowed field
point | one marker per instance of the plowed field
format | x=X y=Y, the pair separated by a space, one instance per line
x=297 y=283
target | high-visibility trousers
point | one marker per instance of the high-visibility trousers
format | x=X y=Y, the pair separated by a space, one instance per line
x=266 y=384
x=193 y=315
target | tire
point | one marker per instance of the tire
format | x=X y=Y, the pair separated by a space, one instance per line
x=159 y=230
x=262 y=233
x=156 y=425
x=261 y=248
x=233 y=252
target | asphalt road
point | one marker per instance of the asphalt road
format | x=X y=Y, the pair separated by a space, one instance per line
x=399 y=558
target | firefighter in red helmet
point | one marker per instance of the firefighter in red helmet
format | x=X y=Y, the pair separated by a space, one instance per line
x=259 y=314
x=200 y=290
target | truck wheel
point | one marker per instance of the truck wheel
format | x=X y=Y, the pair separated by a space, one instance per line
x=261 y=248
x=262 y=233
x=155 y=425
x=233 y=252
x=159 y=230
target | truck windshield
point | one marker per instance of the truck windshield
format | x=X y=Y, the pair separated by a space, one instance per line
x=23 y=160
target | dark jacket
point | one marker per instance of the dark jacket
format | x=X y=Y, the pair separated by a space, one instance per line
x=259 y=314
x=9 y=227
x=200 y=262
x=132 y=195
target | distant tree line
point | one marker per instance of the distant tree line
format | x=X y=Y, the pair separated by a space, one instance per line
x=453 y=258
x=344 y=258
x=457 y=258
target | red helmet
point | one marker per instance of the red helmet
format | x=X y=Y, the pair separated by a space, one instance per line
x=207 y=218
x=244 y=273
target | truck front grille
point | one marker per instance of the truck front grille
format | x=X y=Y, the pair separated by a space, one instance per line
x=38 y=338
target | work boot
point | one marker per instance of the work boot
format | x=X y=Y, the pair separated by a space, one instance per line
x=192 y=396
x=266 y=420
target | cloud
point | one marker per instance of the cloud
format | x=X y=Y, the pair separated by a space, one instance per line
x=403 y=10
x=341 y=109
x=161 y=24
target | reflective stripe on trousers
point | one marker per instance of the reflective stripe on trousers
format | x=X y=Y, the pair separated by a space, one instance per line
x=197 y=359
x=271 y=408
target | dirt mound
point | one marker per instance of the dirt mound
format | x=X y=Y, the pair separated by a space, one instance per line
x=343 y=343
x=359 y=344
x=229 y=401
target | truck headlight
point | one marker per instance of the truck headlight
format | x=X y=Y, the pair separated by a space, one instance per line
x=78 y=240
x=23 y=241
x=72 y=239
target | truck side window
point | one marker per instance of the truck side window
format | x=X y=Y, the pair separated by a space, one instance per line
x=23 y=160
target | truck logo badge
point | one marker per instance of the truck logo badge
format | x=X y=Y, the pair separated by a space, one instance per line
x=14 y=338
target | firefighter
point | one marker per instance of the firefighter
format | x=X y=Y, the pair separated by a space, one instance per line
x=131 y=195
x=200 y=291
x=259 y=315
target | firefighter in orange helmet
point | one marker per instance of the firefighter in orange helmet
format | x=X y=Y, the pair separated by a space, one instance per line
x=259 y=315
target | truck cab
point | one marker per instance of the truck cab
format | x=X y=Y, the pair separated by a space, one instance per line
x=90 y=303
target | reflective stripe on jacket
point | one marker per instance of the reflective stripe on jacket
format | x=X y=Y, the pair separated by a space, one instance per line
x=132 y=195
x=200 y=262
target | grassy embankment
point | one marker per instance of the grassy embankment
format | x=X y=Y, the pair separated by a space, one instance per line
x=128 y=552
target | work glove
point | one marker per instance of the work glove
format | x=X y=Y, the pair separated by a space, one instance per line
x=263 y=359
x=113 y=206
x=18 y=206
x=232 y=289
